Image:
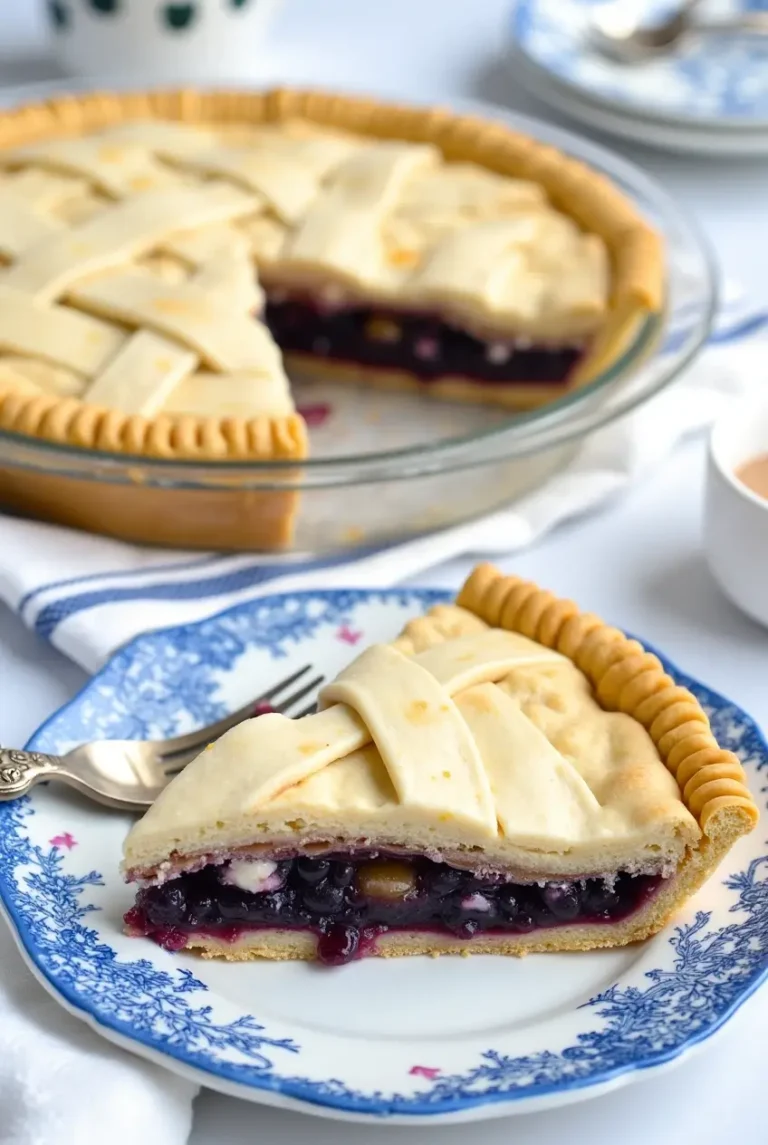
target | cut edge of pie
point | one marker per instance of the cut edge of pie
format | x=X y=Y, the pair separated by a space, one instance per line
x=637 y=271
x=362 y=849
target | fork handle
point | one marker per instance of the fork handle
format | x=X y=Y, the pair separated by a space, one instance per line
x=21 y=770
x=749 y=24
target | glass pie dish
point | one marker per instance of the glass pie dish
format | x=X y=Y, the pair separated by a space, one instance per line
x=383 y=465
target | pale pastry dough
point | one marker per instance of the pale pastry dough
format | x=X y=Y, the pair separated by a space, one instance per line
x=483 y=743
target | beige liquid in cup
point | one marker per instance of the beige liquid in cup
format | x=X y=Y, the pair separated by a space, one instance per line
x=754 y=474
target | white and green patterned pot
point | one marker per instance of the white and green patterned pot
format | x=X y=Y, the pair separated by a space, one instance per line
x=160 y=39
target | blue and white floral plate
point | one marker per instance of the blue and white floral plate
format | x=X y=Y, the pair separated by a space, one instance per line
x=716 y=83
x=681 y=138
x=411 y=1039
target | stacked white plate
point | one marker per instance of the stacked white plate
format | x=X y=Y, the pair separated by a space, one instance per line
x=709 y=98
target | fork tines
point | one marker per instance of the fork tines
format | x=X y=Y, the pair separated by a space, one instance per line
x=174 y=754
x=285 y=705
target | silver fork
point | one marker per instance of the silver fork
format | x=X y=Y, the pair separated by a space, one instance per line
x=130 y=774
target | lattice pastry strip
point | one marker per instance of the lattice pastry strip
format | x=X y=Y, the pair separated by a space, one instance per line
x=119 y=235
x=287 y=179
x=56 y=334
x=231 y=280
x=542 y=795
x=222 y=257
x=226 y=341
x=501 y=262
x=21 y=226
x=141 y=378
x=231 y=395
x=32 y=376
x=342 y=232
x=487 y=262
x=30 y=206
x=450 y=195
x=455 y=757
x=203 y=245
x=119 y=169
x=426 y=746
x=161 y=136
x=44 y=191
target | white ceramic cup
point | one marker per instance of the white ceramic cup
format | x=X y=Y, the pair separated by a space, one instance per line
x=735 y=518
x=160 y=39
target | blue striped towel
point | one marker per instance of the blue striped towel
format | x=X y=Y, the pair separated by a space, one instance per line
x=88 y=594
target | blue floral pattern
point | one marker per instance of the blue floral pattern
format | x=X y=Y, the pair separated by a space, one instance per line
x=136 y=996
x=714 y=962
x=716 y=79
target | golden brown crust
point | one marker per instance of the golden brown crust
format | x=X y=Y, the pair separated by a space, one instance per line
x=635 y=248
x=629 y=679
x=169 y=436
x=221 y=517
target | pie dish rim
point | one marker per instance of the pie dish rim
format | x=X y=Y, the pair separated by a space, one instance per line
x=84 y=426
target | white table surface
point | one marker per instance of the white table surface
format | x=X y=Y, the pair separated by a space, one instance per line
x=639 y=563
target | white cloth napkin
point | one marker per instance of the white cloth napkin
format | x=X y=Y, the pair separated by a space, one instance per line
x=60 y=1083
x=88 y=595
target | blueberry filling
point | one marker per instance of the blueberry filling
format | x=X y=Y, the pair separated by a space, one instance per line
x=419 y=343
x=348 y=902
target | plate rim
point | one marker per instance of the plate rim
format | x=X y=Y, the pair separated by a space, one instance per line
x=571 y=102
x=274 y=1089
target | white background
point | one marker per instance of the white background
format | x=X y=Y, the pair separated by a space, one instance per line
x=639 y=563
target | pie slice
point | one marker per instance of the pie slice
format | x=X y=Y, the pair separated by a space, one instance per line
x=509 y=775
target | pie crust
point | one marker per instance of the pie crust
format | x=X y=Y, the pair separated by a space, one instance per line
x=56 y=268
x=509 y=735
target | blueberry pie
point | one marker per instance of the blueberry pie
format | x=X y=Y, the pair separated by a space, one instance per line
x=509 y=775
x=395 y=246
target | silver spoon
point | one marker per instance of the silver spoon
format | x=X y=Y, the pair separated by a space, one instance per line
x=618 y=32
